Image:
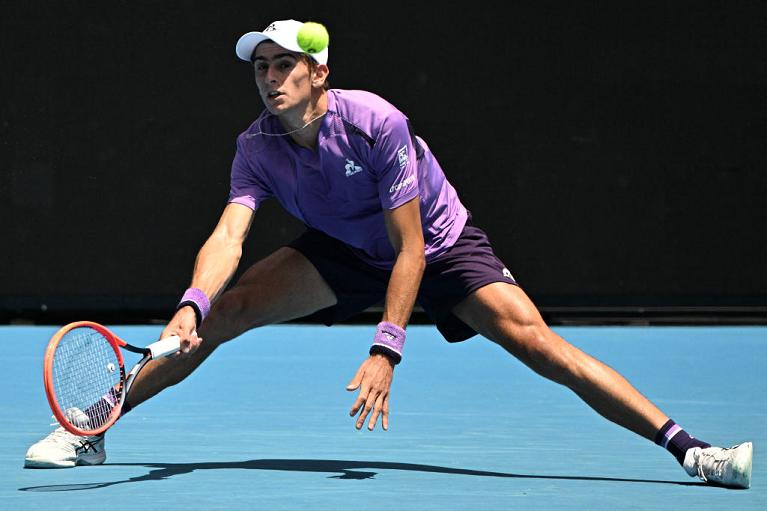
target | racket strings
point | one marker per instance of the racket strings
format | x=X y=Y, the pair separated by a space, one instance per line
x=86 y=378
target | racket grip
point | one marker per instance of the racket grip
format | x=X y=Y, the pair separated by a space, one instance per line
x=165 y=347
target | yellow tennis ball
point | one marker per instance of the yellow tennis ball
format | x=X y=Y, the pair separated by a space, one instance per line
x=313 y=37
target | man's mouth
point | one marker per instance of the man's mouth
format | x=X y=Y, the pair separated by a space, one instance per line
x=273 y=94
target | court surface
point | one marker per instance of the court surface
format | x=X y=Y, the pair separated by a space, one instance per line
x=264 y=424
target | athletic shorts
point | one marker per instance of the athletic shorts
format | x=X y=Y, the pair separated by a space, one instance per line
x=467 y=266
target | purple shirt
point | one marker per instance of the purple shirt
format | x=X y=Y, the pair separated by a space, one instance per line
x=367 y=159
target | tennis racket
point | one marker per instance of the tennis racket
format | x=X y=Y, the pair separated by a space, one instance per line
x=84 y=376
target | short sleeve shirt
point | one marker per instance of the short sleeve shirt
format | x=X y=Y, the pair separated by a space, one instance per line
x=367 y=159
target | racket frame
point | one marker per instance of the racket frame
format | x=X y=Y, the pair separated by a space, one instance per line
x=124 y=385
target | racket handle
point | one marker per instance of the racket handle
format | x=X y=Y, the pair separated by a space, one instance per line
x=165 y=347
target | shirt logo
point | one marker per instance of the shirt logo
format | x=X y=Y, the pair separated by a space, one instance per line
x=402 y=156
x=351 y=168
x=403 y=184
x=507 y=274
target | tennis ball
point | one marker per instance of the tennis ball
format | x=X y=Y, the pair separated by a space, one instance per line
x=313 y=37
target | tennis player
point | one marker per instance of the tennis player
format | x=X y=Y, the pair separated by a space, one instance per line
x=382 y=222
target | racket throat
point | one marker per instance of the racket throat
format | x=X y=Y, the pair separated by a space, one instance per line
x=131 y=376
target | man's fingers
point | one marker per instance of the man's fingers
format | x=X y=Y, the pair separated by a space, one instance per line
x=366 y=410
x=373 y=379
x=187 y=332
x=385 y=413
x=186 y=347
x=377 y=409
x=190 y=345
x=361 y=399
x=356 y=380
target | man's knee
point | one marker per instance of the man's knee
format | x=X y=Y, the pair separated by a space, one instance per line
x=538 y=347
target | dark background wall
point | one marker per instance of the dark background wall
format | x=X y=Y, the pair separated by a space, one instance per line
x=613 y=151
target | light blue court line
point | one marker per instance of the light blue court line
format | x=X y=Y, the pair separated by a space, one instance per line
x=264 y=424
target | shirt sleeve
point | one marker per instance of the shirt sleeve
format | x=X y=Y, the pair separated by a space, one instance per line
x=246 y=187
x=395 y=163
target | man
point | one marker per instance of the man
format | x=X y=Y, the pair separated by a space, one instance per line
x=383 y=222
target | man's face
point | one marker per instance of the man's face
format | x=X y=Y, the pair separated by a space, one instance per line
x=282 y=76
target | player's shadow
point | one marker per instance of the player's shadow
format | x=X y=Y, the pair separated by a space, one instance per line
x=341 y=468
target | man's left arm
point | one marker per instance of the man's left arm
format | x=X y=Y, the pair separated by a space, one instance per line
x=374 y=376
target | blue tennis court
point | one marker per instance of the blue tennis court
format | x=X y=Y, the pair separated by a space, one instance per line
x=264 y=424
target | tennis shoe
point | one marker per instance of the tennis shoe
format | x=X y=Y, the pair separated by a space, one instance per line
x=729 y=467
x=62 y=449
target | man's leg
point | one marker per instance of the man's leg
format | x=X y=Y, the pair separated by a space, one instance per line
x=278 y=288
x=504 y=314
x=281 y=287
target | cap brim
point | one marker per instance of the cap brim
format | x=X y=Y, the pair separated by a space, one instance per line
x=247 y=43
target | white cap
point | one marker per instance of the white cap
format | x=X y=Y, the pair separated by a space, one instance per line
x=284 y=33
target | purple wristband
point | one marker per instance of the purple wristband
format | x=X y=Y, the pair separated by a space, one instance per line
x=389 y=340
x=196 y=299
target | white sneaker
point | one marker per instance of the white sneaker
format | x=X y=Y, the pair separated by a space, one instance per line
x=62 y=449
x=726 y=466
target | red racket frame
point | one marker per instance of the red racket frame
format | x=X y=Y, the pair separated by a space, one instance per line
x=115 y=342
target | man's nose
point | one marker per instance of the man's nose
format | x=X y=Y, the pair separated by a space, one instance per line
x=271 y=74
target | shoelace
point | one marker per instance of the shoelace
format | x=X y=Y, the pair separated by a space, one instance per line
x=717 y=463
x=62 y=437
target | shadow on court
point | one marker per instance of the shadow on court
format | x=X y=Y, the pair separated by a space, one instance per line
x=343 y=469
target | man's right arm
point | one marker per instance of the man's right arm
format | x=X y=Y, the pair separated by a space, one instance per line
x=216 y=262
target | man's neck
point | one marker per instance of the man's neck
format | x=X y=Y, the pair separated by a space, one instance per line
x=306 y=132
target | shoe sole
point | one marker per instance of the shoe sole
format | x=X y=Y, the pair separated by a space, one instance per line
x=33 y=463
x=86 y=462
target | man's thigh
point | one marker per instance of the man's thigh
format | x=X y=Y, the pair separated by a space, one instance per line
x=281 y=287
x=356 y=284
x=502 y=313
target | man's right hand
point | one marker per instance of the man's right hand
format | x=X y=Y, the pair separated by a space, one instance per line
x=184 y=325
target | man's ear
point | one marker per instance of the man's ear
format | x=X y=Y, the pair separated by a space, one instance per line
x=321 y=72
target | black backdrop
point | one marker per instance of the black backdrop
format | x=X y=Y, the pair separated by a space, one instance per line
x=613 y=151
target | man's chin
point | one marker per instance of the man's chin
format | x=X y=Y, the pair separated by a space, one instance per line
x=275 y=109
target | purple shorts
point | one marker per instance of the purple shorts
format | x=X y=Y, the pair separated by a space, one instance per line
x=467 y=266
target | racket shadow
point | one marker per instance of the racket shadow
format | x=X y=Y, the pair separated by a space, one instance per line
x=343 y=469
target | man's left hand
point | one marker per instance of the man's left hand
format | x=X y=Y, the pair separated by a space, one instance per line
x=373 y=378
